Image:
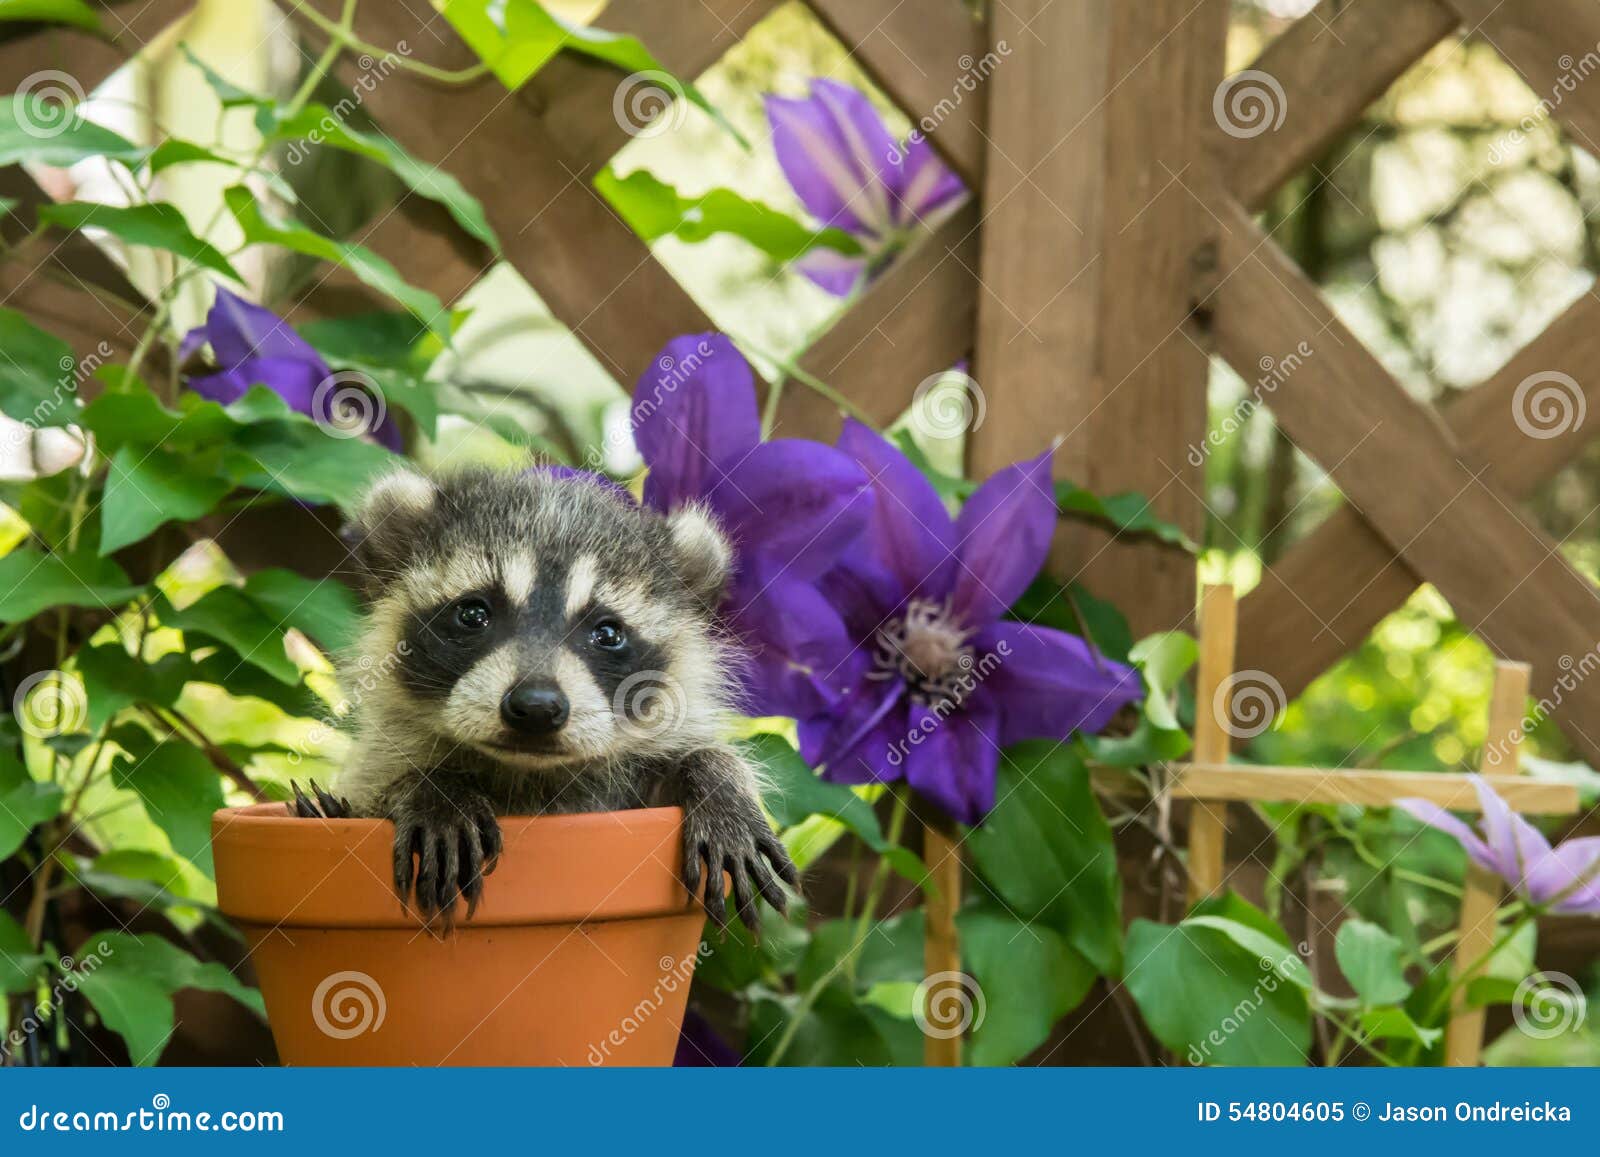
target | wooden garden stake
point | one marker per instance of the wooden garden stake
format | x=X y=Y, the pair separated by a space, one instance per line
x=1463 y=1041
x=1208 y=821
x=941 y=947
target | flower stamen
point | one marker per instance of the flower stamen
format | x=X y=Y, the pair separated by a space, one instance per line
x=928 y=649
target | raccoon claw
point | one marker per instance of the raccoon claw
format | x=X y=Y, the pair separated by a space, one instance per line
x=441 y=858
x=748 y=855
x=324 y=807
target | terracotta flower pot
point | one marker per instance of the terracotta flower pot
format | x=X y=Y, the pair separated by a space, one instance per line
x=580 y=953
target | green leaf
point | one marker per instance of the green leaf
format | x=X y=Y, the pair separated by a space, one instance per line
x=1029 y=978
x=149 y=487
x=317 y=122
x=173 y=151
x=654 y=209
x=179 y=788
x=115 y=680
x=324 y=609
x=20 y=965
x=137 y=418
x=371 y=269
x=157 y=225
x=516 y=38
x=1046 y=850
x=1129 y=513
x=229 y=94
x=32 y=581
x=1273 y=952
x=38 y=382
x=24 y=807
x=73 y=12
x=840 y=1032
x=1396 y=1024
x=1163 y=659
x=794 y=792
x=229 y=616
x=1370 y=960
x=133 y=981
x=1071 y=608
x=45 y=132
x=224 y=669
x=394 y=350
x=1212 y=1000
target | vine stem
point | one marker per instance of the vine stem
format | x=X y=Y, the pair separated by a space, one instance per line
x=343 y=36
x=809 y=380
x=880 y=878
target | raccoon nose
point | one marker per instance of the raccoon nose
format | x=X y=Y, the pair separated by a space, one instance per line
x=534 y=708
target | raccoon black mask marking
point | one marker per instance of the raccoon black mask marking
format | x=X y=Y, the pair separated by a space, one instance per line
x=543 y=645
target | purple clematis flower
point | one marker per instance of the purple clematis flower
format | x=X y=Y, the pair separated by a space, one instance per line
x=939 y=683
x=1563 y=879
x=851 y=174
x=254 y=346
x=790 y=507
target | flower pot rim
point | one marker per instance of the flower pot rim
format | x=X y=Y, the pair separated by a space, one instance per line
x=277 y=870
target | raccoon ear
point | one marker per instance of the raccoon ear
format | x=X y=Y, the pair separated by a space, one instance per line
x=383 y=533
x=702 y=554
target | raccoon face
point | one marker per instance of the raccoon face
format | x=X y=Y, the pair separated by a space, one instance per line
x=542 y=621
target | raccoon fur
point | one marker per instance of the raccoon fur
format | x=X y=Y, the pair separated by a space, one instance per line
x=538 y=644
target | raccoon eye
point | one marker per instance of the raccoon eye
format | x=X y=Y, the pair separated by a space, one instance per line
x=608 y=637
x=472 y=614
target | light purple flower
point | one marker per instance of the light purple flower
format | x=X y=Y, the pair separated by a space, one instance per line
x=851 y=174
x=1564 y=879
x=938 y=681
x=254 y=346
x=788 y=505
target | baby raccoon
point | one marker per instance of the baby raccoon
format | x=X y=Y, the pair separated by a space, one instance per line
x=543 y=645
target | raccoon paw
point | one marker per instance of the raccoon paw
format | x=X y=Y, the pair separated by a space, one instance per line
x=441 y=855
x=737 y=841
x=323 y=807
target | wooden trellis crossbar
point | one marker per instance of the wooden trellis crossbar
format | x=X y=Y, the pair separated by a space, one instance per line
x=1214 y=783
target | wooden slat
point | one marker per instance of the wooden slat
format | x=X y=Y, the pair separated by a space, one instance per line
x=1208 y=825
x=914 y=321
x=941 y=946
x=1504 y=579
x=1324 y=597
x=1544 y=42
x=1234 y=781
x=573 y=95
x=88 y=59
x=1331 y=64
x=1508 y=702
x=592 y=271
x=933 y=60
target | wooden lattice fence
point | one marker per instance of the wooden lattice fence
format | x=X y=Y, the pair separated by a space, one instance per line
x=1109 y=249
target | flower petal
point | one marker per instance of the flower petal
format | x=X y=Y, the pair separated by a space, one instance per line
x=1046 y=684
x=292 y=379
x=909 y=530
x=694 y=417
x=1003 y=537
x=831 y=271
x=921 y=183
x=800 y=657
x=1436 y=817
x=1571 y=876
x=833 y=149
x=955 y=759
x=240 y=330
x=1501 y=835
x=792 y=507
x=863 y=740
